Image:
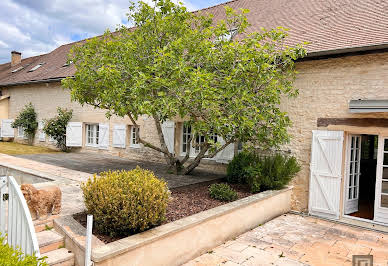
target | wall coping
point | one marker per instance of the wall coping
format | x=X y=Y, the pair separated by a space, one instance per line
x=124 y=245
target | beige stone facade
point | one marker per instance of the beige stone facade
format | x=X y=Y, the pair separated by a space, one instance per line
x=325 y=88
x=46 y=97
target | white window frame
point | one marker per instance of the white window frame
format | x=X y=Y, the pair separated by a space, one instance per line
x=92 y=135
x=185 y=137
x=132 y=141
x=21 y=133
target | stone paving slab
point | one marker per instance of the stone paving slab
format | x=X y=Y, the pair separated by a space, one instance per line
x=296 y=240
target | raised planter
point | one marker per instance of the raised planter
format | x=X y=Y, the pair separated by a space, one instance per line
x=180 y=241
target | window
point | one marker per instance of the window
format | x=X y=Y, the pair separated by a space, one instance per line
x=17 y=69
x=20 y=132
x=239 y=146
x=67 y=64
x=198 y=140
x=92 y=134
x=186 y=137
x=134 y=133
x=36 y=67
x=228 y=36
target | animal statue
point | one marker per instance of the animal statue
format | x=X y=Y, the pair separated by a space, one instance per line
x=43 y=201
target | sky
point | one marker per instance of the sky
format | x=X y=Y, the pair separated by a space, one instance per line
x=34 y=27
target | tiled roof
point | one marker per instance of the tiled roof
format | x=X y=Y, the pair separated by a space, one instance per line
x=328 y=25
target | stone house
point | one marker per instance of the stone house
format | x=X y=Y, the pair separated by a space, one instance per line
x=340 y=119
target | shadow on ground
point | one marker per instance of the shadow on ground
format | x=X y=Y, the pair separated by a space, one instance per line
x=97 y=163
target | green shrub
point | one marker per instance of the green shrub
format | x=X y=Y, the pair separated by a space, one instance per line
x=27 y=120
x=222 y=192
x=10 y=256
x=271 y=172
x=56 y=127
x=126 y=202
x=236 y=171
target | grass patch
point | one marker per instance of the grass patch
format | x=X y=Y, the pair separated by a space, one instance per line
x=13 y=148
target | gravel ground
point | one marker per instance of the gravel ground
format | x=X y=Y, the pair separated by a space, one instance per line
x=186 y=201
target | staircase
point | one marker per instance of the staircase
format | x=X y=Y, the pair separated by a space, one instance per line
x=52 y=244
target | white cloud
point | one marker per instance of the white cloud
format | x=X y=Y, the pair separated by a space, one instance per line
x=39 y=26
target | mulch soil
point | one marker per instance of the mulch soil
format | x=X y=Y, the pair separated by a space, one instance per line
x=185 y=201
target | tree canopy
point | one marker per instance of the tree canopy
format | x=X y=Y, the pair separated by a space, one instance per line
x=177 y=64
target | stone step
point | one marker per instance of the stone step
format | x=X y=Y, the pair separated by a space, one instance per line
x=46 y=225
x=59 y=257
x=49 y=240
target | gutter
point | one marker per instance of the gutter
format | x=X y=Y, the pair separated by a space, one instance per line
x=346 y=51
x=32 y=82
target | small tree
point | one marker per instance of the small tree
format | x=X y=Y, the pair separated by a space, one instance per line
x=177 y=64
x=27 y=119
x=56 y=127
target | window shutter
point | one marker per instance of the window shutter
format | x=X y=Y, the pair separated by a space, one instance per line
x=226 y=154
x=325 y=173
x=168 y=129
x=6 y=130
x=74 y=134
x=103 y=139
x=42 y=135
x=119 y=136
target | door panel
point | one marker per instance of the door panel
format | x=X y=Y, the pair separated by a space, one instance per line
x=353 y=174
x=381 y=198
x=325 y=173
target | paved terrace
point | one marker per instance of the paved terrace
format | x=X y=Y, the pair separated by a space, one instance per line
x=296 y=240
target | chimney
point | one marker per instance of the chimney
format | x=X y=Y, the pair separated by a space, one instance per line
x=16 y=58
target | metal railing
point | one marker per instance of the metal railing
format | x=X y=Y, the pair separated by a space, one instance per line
x=19 y=226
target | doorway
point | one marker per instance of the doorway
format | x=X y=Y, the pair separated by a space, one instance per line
x=360 y=182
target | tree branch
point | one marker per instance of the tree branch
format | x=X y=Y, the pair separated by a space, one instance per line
x=188 y=149
x=220 y=149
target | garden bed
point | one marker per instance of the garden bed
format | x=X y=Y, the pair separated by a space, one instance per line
x=185 y=201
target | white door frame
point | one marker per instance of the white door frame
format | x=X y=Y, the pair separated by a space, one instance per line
x=380 y=213
x=380 y=147
x=353 y=203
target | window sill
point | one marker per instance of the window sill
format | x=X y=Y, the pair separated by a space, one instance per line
x=91 y=146
x=134 y=146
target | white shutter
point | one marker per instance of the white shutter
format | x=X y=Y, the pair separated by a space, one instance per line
x=74 y=134
x=119 y=136
x=103 y=138
x=168 y=129
x=325 y=173
x=226 y=154
x=6 y=130
x=42 y=135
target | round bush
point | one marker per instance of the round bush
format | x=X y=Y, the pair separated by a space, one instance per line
x=236 y=171
x=126 y=202
x=222 y=192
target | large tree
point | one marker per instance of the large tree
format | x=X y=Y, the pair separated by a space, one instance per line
x=176 y=64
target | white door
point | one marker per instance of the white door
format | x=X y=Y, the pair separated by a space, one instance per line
x=352 y=180
x=168 y=129
x=325 y=173
x=103 y=139
x=381 y=194
x=74 y=134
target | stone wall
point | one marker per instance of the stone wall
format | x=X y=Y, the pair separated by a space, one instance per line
x=46 y=97
x=325 y=89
